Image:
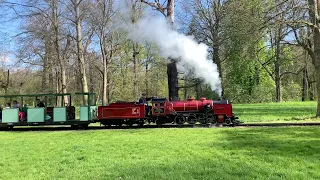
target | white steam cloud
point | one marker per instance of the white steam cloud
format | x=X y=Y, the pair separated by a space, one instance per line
x=177 y=46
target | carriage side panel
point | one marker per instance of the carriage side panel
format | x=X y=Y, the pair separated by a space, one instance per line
x=124 y=111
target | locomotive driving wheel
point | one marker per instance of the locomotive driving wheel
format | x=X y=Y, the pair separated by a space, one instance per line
x=228 y=120
x=212 y=120
x=159 y=122
x=192 y=119
x=179 y=119
x=203 y=119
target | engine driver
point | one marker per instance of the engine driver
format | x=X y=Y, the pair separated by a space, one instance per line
x=143 y=100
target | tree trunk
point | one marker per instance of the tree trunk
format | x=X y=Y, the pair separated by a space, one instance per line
x=7 y=83
x=135 y=70
x=278 y=86
x=157 y=85
x=135 y=48
x=44 y=76
x=123 y=76
x=146 y=80
x=318 y=89
x=198 y=89
x=108 y=87
x=314 y=18
x=185 y=91
x=80 y=52
x=105 y=67
x=45 y=66
x=58 y=85
x=170 y=11
x=172 y=73
x=216 y=44
x=51 y=81
x=57 y=48
x=78 y=80
x=90 y=67
x=311 y=90
x=277 y=70
x=305 y=85
x=105 y=83
x=172 y=70
x=216 y=59
x=317 y=65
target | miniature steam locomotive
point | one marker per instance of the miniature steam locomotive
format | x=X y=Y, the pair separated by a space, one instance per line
x=163 y=111
x=160 y=112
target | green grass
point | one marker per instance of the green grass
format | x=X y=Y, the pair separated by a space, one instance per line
x=228 y=153
x=277 y=112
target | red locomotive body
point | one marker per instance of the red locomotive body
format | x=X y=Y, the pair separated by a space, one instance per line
x=163 y=111
x=223 y=113
x=122 y=113
x=192 y=111
x=225 y=109
x=191 y=105
x=160 y=107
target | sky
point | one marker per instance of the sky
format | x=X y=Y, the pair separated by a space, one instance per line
x=10 y=27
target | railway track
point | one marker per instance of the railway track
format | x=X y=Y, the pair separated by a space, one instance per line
x=280 y=124
x=67 y=128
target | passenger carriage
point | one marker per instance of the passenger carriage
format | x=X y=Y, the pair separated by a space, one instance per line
x=52 y=114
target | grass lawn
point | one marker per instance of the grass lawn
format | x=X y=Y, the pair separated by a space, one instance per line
x=199 y=153
x=277 y=112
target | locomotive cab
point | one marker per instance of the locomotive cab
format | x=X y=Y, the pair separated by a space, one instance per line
x=223 y=112
x=159 y=107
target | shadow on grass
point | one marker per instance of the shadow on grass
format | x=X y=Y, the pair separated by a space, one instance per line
x=302 y=142
x=273 y=113
x=276 y=109
x=246 y=153
x=270 y=153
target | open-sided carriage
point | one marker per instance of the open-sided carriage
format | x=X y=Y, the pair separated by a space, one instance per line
x=51 y=114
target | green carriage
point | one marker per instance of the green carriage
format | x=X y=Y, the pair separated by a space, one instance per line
x=55 y=111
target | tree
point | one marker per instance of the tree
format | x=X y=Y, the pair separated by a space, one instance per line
x=79 y=13
x=54 y=5
x=102 y=21
x=314 y=14
x=206 y=26
x=43 y=34
x=311 y=44
x=172 y=71
x=135 y=14
x=278 y=31
x=240 y=49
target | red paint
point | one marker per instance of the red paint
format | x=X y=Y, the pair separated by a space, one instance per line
x=225 y=109
x=121 y=111
x=190 y=105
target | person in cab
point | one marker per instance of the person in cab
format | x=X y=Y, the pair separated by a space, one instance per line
x=144 y=100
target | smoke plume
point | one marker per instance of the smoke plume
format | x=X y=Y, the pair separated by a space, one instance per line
x=173 y=44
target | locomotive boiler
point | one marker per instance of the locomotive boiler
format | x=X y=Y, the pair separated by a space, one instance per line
x=192 y=105
x=192 y=111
